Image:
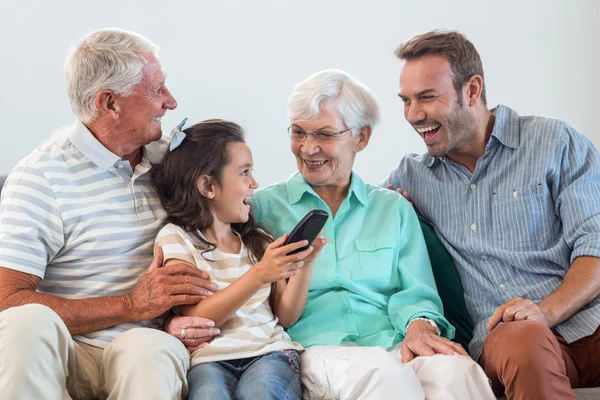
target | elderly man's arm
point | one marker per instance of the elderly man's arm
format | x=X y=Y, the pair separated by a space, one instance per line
x=159 y=289
x=575 y=188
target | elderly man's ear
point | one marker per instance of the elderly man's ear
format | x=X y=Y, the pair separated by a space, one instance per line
x=106 y=103
x=364 y=135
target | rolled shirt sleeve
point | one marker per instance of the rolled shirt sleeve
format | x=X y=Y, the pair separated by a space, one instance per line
x=576 y=186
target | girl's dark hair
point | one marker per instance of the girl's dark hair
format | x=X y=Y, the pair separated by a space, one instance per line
x=202 y=152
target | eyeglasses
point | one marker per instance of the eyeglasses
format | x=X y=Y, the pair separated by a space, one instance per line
x=299 y=135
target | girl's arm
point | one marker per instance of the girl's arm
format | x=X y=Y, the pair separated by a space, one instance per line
x=222 y=305
x=289 y=298
x=274 y=266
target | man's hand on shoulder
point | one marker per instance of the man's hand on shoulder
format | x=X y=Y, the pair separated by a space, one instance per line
x=519 y=309
x=161 y=288
x=401 y=191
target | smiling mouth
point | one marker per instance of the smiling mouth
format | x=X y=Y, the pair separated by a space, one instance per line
x=428 y=132
x=314 y=164
x=158 y=119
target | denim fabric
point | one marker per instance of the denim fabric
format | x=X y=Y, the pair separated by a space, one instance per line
x=275 y=376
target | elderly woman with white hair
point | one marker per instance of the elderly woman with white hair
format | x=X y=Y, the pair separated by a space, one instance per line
x=372 y=307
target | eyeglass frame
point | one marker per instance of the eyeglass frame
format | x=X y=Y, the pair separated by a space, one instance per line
x=317 y=135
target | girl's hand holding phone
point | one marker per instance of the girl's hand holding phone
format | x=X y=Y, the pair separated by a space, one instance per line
x=276 y=265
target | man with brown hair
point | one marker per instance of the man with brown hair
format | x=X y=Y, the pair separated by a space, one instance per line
x=516 y=201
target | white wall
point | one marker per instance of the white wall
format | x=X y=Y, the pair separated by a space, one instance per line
x=240 y=59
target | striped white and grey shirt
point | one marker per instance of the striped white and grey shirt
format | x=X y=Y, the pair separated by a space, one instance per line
x=516 y=224
x=77 y=216
x=253 y=330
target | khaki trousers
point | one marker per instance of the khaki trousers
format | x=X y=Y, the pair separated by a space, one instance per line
x=40 y=360
x=527 y=360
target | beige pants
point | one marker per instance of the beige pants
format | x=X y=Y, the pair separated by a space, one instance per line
x=39 y=360
x=365 y=373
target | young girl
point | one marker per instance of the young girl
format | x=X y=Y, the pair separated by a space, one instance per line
x=204 y=182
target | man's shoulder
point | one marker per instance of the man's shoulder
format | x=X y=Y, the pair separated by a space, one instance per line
x=540 y=132
x=411 y=164
x=539 y=127
x=48 y=154
x=418 y=159
x=52 y=158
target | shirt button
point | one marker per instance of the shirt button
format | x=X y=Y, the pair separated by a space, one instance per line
x=484 y=258
x=502 y=286
x=140 y=202
x=515 y=194
x=474 y=227
x=473 y=186
x=120 y=166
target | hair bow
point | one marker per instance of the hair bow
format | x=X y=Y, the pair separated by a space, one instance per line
x=178 y=135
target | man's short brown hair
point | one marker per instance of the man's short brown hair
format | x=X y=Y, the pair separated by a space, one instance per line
x=454 y=46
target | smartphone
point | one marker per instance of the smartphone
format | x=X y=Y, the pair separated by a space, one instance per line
x=308 y=228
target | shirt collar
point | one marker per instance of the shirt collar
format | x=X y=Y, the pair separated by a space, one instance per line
x=506 y=130
x=90 y=147
x=297 y=187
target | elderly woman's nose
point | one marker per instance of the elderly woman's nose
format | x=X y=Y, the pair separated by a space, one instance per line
x=310 y=148
x=310 y=145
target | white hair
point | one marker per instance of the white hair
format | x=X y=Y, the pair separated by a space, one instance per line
x=338 y=93
x=107 y=59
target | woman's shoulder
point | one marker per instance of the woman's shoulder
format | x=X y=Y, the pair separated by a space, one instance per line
x=272 y=194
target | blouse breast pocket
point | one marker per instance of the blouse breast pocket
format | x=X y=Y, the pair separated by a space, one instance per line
x=376 y=256
x=520 y=217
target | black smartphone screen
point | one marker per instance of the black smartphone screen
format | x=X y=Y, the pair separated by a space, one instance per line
x=308 y=228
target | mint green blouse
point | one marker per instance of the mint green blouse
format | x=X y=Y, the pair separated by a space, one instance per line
x=374 y=274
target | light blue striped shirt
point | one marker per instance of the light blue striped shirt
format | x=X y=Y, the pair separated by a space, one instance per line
x=77 y=216
x=517 y=223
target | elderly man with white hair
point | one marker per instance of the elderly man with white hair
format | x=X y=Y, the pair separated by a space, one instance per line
x=80 y=290
x=373 y=323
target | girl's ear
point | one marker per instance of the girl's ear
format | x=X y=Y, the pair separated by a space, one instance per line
x=205 y=185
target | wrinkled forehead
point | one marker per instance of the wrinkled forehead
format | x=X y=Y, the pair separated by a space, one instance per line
x=327 y=119
x=153 y=69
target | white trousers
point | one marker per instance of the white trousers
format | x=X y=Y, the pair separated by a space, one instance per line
x=40 y=360
x=371 y=373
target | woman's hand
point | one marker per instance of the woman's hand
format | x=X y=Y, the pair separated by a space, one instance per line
x=276 y=265
x=422 y=340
